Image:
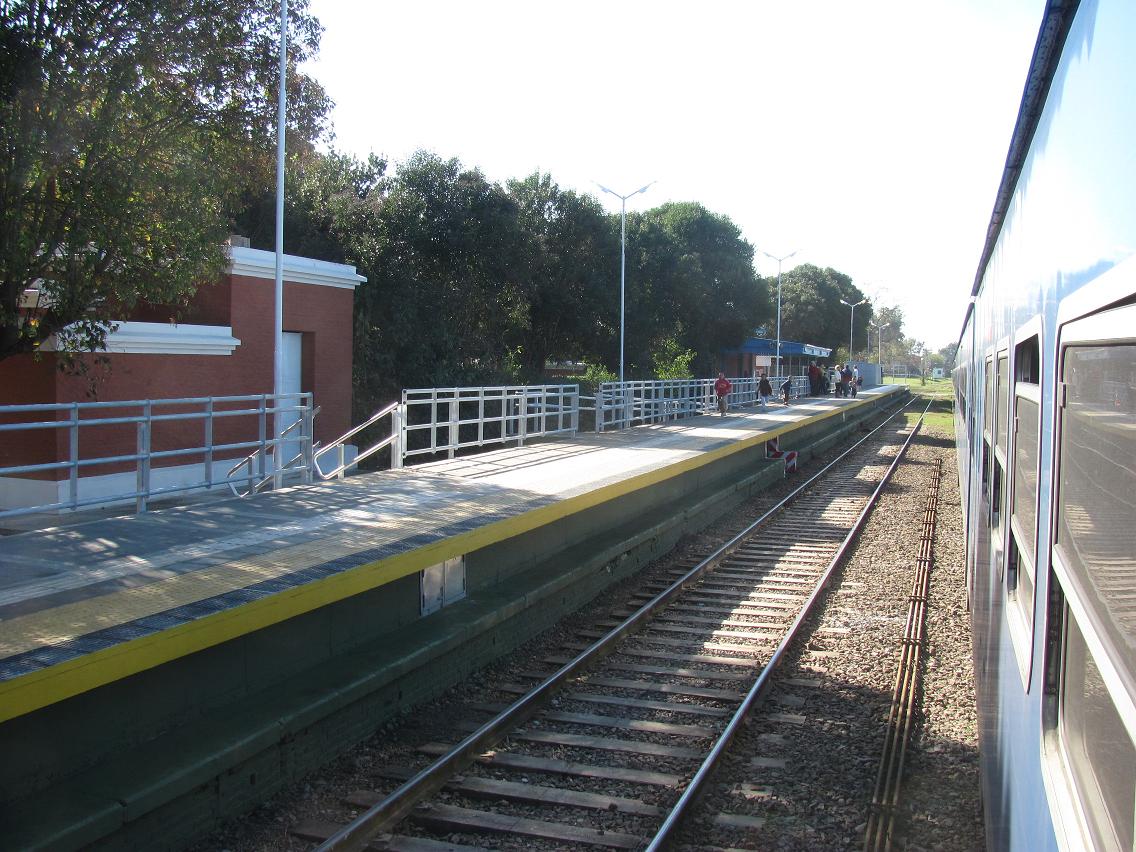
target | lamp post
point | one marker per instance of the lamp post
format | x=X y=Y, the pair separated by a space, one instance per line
x=779 y=260
x=622 y=258
x=879 y=342
x=278 y=291
x=879 y=345
x=850 y=322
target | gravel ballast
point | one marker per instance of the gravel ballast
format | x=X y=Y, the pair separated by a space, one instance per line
x=842 y=679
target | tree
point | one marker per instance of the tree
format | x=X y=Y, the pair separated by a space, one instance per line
x=127 y=133
x=691 y=282
x=438 y=256
x=811 y=311
x=565 y=304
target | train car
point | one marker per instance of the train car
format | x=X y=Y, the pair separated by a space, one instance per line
x=1045 y=389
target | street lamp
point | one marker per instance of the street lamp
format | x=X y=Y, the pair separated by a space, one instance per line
x=879 y=340
x=622 y=257
x=850 y=322
x=779 y=260
x=879 y=345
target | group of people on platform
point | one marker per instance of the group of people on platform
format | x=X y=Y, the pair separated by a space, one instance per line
x=846 y=377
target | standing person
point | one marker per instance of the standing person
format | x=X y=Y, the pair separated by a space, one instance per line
x=840 y=389
x=846 y=378
x=722 y=388
x=785 y=387
x=857 y=380
x=814 y=378
x=764 y=390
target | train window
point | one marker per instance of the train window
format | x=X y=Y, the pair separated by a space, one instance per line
x=987 y=425
x=1027 y=361
x=1002 y=395
x=1097 y=747
x=1092 y=729
x=988 y=412
x=1096 y=503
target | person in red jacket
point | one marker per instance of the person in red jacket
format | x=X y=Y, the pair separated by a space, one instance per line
x=814 y=378
x=721 y=388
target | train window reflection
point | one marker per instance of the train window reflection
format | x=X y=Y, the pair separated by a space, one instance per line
x=1024 y=511
x=1096 y=508
x=1003 y=401
x=1098 y=749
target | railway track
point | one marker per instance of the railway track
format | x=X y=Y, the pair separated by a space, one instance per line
x=612 y=744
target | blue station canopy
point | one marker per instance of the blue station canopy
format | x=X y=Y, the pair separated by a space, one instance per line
x=789 y=348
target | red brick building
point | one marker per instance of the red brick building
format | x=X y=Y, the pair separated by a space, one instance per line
x=223 y=348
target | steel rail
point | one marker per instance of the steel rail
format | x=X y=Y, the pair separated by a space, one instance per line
x=666 y=833
x=398 y=804
x=881 y=818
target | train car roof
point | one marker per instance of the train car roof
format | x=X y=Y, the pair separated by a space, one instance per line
x=1055 y=25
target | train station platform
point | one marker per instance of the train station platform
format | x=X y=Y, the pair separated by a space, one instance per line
x=172 y=618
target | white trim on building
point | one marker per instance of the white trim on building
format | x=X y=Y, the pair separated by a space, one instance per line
x=163 y=338
x=257 y=263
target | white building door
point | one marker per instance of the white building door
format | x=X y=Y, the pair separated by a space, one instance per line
x=292 y=344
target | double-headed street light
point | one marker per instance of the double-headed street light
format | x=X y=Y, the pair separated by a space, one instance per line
x=879 y=344
x=622 y=257
x=779 y=260
x=850 y=322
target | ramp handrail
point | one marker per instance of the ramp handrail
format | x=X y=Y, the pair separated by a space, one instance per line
x=261 y=455
x=340 y=444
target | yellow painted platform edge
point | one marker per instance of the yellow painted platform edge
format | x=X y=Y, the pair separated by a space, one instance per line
x=38 y=689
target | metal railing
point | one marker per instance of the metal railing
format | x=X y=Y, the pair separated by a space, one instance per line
x=437 y=420
x=431 y=421
x=103 y=422
x=426 y=422
x=257 y=477
x=339 y=445
x=620 y=405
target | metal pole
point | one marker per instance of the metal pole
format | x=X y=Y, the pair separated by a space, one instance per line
x=777 y=363
x=278 y=327
x=622 y=274
x=622 y=258
x=777 y=360
x=851 y=320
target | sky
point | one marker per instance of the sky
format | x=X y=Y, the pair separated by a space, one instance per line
x=868 y=137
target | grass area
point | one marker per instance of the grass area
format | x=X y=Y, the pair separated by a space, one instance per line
x=940 y=416
x=931 y=387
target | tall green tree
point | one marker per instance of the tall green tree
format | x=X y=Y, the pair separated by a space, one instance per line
x=811 y=311
x=691 y=281
x=564 y=304
x=437 y=305
x=128 y=131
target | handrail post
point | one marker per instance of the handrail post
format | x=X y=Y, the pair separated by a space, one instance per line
x=453 y=431
x=308 y=437
x=522 y=416
x=398 y=436
x=263 y=426
x=73 y=470
x=142 y=464
x=209 y=443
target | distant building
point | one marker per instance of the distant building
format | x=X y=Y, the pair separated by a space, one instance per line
x=758 y=354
